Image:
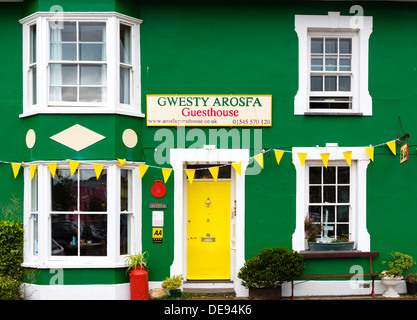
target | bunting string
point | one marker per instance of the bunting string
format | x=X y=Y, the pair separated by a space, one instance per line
x=190 y=173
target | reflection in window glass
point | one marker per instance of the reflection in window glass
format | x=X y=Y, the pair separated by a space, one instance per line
x=64 y=191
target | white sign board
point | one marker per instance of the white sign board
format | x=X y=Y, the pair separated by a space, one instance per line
x=209 y=110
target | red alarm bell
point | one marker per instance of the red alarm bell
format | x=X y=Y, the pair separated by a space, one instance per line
x=158 y=189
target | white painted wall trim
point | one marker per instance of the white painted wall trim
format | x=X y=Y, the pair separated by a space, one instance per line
x=178 y=158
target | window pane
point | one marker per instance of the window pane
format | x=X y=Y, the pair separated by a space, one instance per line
x=329 y=175
x=34 y=193
x=92 y=94
x=92 y=31
x=93 y=239
x=328 y=214
x=64 y=191
x=330 y=83
x=35 y=234
x=316 y=83
x=68 y=33
x=93 y=74
x=343 y=194
x=342 y=213
x=93 y=191
x=125 y=40
x=317 y=64
x=32 y=44
x=64 y=229
x=345 y=46
x=331 y=45
x=345 y=64
x=124 y=233
x=63 y=42
x=344 y=83
x=126 y=190
x=331 y=63
x=315 y=194
x=314 y=212
x=124 y=85
x=316 y=45
x=342 y=229
x=92 y=52
x=329 y=194
x=315 y=175
x=343 y=175
x=34 y=86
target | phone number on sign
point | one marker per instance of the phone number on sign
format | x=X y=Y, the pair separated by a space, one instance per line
x=252 y=121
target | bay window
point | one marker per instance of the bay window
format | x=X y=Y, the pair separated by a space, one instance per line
x=86 y=63
x=81 y=219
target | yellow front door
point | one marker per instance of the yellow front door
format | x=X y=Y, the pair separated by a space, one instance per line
x=208 y=230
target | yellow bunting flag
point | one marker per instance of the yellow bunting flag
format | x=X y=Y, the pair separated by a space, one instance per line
x=190 y=175
x=238 y=167
x=73 y=166
x=52 y=168
x=370 y=152
x=142 y=170
x=214 y=172
x=259 y=159
x=166 y=172
x=391 y=146
x=302 y=157
x=278 y=155
x=121 y=162
x=16 y=168
x=98 y=168
x=348 y=157
x=325 y=158
x=32 y=168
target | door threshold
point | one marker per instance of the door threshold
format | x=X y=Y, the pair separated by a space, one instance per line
x=209 y=281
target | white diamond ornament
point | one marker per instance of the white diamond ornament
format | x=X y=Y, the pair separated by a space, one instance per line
x=77 y=137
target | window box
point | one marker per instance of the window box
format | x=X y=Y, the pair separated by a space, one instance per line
x=331 y=246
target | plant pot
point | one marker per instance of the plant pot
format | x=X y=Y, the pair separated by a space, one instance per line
x=139 y=287
x=265 y=293
x=391 y=283
x=175 y=293
x=411 y=288
x=331 y=246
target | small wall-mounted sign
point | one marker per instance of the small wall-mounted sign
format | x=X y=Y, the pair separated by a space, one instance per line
x=158 y=206
x=404 y=153
x=157 y=235
x=157 y=218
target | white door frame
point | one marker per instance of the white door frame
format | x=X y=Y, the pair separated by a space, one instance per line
x=178 y=160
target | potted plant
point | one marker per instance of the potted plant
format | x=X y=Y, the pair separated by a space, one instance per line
x=138 y=274
x=397 y=264
x=172 y=284
x=411 y=283
x=265 y=273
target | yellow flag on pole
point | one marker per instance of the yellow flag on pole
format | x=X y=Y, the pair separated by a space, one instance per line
x=325 y=158
x=370 y=152
x=302 y=157
x=348 y=157
x=73 y=166
x=278 y=155
x=214 y=172
x=237 y=166
x=98 y=168
x=259 y=159
x=16 y=168
x=391 y=146
x=166 y=172
x=190 y=174
x=32 y=168
x=142 y=170
x=52 y=168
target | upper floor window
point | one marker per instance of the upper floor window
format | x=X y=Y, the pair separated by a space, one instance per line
x=333 y=66
x=81 y=63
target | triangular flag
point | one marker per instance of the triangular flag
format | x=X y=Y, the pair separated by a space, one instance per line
x=16 y=168
x=348 y=156
x=190 y=175
x=73 y=166
x=370 y=152
x=166 y=172
x=121 y=162
x=391 y=146
x=52 y=168
x=325 y=158
x=32 y=168
x=142 y=170
x=302 y=157
x=214 y=172
x=237 y=166
x=98 y=168
x=278 y=155
x=260 y=159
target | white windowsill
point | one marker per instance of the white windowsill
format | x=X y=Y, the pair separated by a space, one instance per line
x=78 y=111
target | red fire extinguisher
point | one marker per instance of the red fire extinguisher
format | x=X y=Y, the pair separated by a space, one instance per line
x=139 y=288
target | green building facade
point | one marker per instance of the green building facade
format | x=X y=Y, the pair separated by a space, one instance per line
x=304 y=106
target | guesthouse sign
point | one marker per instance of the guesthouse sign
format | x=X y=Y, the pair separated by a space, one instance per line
x=209 y=110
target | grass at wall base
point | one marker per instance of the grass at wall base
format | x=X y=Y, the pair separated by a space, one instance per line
x=266 y=272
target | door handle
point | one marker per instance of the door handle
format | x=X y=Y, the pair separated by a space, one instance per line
x=192 y=238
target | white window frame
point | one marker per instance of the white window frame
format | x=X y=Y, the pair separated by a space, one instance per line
x=44 y=258
x=328 y=25
x=359 y=164
x=112 y=105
